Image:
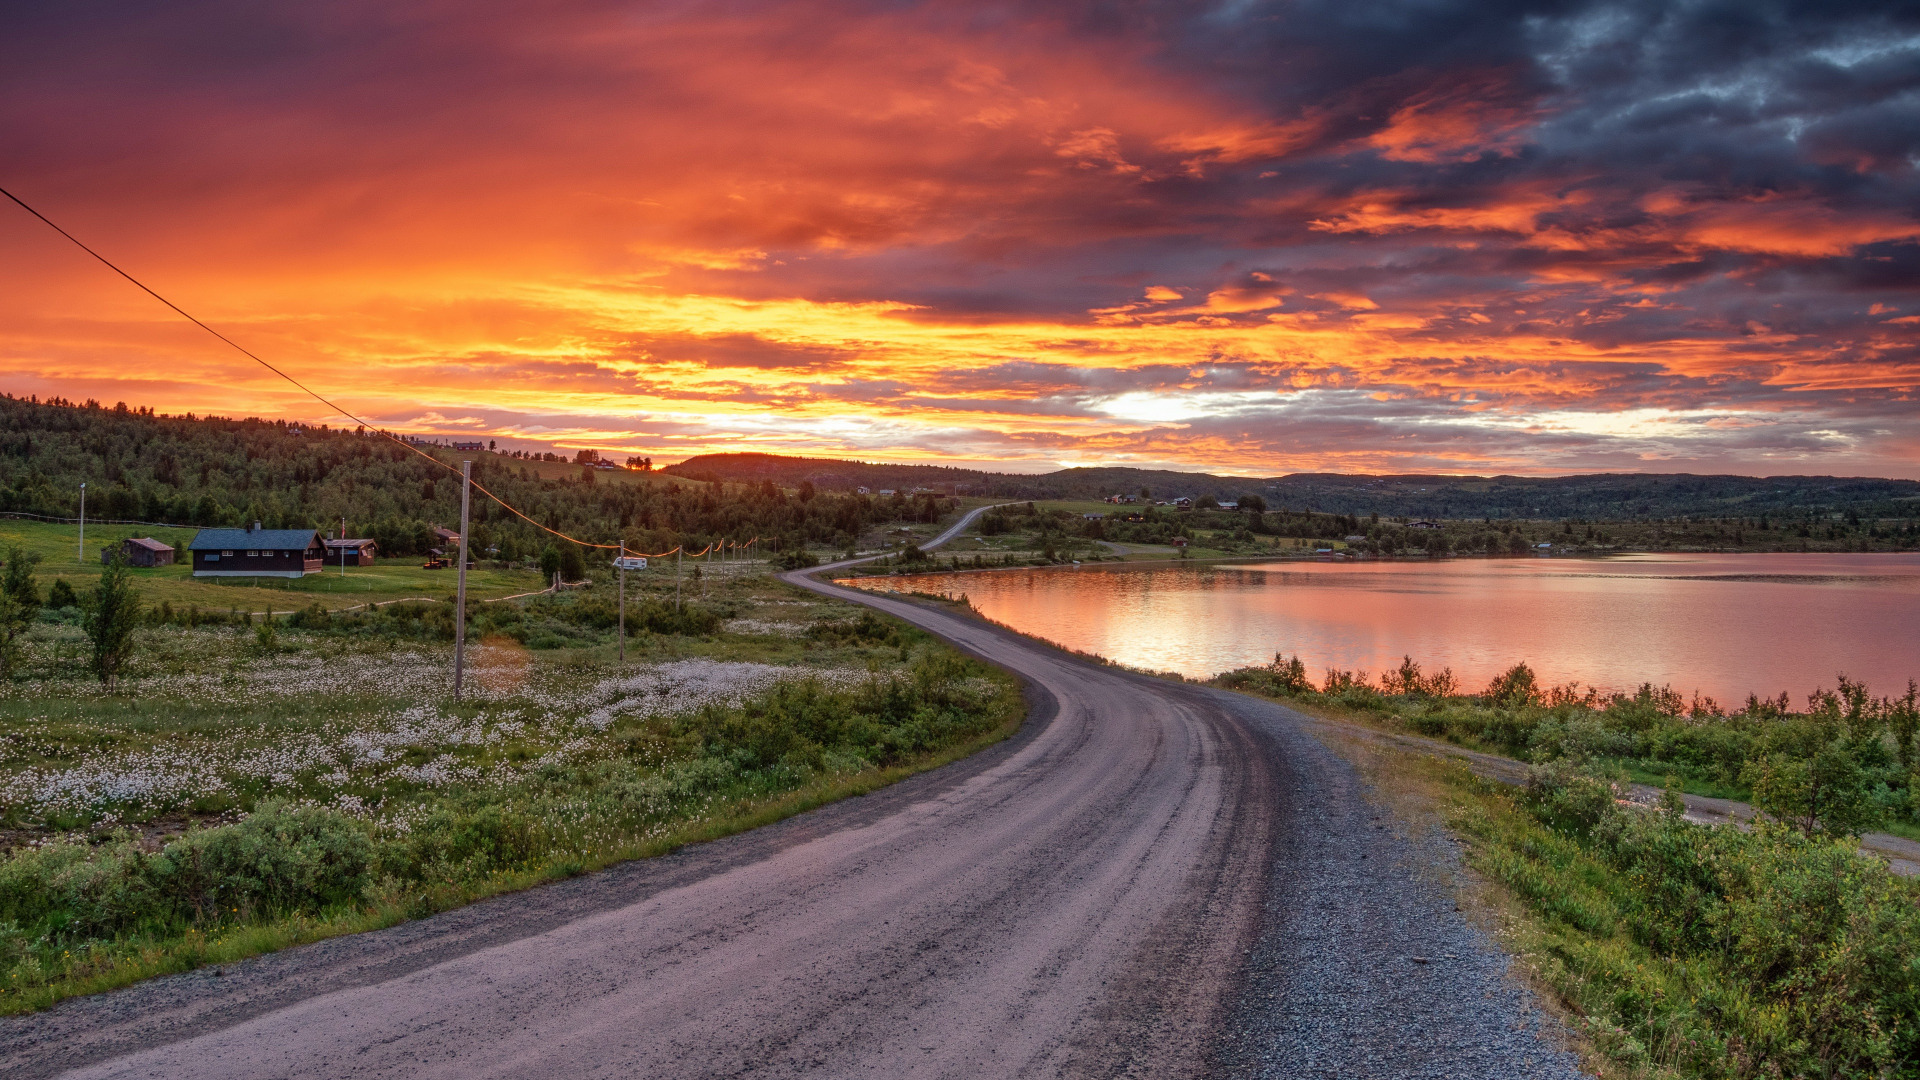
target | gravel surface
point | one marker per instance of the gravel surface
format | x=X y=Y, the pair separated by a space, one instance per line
x=1364 y=968
x=1151 y=880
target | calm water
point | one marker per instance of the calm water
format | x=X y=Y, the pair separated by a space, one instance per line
x=1724 y=625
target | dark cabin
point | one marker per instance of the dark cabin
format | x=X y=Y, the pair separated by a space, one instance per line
x=140 y=551
x=358 y=552
x=257 y=552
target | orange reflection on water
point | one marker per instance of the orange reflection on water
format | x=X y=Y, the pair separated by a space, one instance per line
x=1724 y=625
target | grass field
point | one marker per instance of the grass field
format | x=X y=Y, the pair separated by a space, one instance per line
x=345 y=789
x=390 y=579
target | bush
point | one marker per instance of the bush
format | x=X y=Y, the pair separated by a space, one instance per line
x=864 y=629
x=276 y=861
x=1515 y=686
x=1827 y=793
x=573 y=566
x=1829 y=942
x=1567 y=798
x=469 y=841
x=1290 y=674
x=1408 y=681
x=1771 y=953
x=61 y=595
x=691 y=620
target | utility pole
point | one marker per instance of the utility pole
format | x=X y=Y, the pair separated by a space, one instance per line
x=676 y=576
x=81 y=553
x=622 y=564
x=460 y=593
x=343 y=545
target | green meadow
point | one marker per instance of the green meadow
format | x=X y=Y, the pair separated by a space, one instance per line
x=248 y=784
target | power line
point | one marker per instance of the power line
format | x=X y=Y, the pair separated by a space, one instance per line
x=304 y=388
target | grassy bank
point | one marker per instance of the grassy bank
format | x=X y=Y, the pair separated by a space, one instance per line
x=243 y=789
x=1846 y=762
x=1675 y=949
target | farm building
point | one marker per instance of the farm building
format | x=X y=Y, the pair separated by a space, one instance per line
x=257 y=552
x=140 y=551
x=358 y=552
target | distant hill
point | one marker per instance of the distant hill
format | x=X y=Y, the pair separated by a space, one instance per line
x=828 y=474
x=1592 y=495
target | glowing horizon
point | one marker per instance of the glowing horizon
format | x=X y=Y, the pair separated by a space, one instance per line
x=1250 y=240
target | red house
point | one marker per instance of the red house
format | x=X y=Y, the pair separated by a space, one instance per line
x=355 y=552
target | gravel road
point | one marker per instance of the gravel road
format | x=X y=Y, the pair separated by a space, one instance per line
x=1150 y=880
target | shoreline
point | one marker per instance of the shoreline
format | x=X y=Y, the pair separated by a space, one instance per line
x=1214 y=560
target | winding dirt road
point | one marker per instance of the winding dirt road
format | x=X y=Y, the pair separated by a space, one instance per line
x=1083 y=900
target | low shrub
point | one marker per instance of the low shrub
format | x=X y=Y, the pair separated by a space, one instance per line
x=69 y=911
x=277 y=861
x=1847 y=764
x=1719 y=953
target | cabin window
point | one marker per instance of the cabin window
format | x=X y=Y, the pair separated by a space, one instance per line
x=228 y=554
x=253 y=554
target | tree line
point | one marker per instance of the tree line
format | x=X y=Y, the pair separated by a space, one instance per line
x=214 y=471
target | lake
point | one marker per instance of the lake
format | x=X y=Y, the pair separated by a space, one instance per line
x=1723 y=625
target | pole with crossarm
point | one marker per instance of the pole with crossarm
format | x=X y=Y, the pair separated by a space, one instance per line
x=460 y=592
x=622 y=564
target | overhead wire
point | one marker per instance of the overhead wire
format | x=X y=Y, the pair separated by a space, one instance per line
x=310 y=392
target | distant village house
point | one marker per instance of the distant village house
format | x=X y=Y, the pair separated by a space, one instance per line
x=257 y=552
x=351 y=552
x=140 y=551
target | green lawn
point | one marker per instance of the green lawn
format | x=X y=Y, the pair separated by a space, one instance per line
x=390 y=579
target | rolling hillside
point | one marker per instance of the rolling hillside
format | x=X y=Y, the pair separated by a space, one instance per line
x=1596 y=495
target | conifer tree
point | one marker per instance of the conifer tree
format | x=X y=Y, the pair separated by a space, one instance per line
x=112 y=613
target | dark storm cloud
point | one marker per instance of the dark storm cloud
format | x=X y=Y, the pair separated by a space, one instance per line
x=1412 y=224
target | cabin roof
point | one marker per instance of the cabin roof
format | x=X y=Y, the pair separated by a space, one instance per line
x=254 y=539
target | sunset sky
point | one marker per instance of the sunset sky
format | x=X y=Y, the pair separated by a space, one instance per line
x=1432 y=235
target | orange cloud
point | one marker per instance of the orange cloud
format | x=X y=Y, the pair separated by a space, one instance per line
x=1467 y=117
x=914 y=234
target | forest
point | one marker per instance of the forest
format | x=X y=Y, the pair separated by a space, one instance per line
x=212 y=471
x=1594 y=496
